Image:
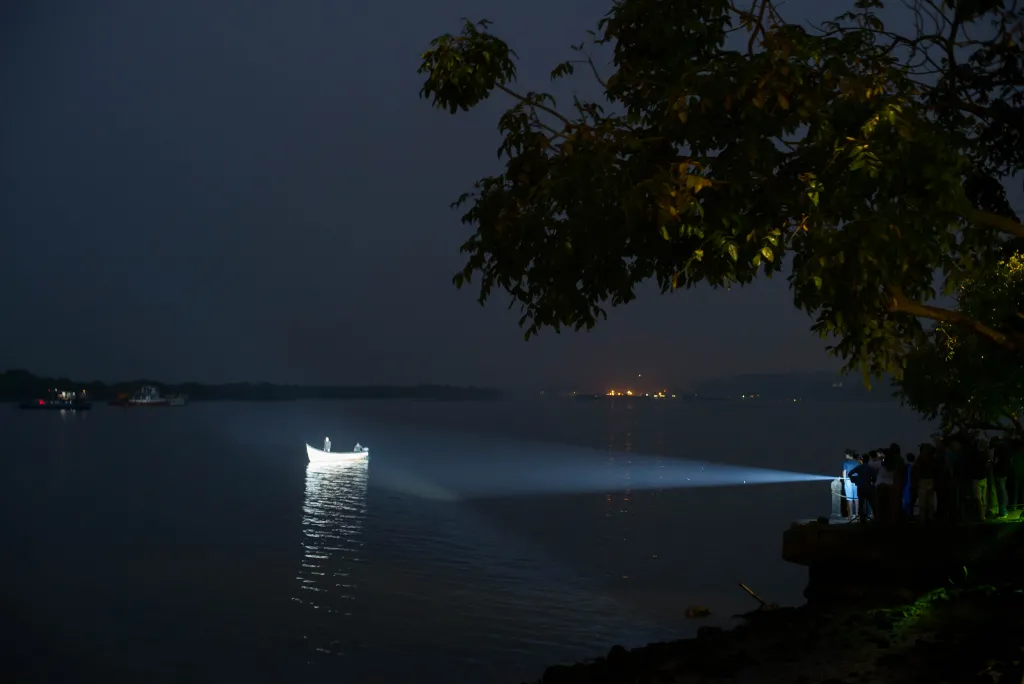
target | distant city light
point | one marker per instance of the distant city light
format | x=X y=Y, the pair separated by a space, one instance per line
x=663 y=394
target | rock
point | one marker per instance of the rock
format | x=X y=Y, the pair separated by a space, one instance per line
x=883 y=620
x=566 y=674
x=652 y=656
x=618 y=659
x=889 y=660
x=980 y=643
x=708 y=632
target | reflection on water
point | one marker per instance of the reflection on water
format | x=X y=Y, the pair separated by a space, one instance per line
x=333 y=517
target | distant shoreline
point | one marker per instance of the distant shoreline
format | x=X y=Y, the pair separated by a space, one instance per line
x=19 y=385
x=761 y=399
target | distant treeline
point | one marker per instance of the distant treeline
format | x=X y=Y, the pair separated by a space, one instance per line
x=16 y=385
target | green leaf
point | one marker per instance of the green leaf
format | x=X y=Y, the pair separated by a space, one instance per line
x=733 y=251
x=766 y=251
x=562 y=70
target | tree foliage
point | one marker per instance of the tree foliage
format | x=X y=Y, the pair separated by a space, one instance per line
x=966 y=380
x=729 y=139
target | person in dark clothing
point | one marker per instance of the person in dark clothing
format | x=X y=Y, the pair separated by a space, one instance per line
x=908 y=489
x=977 y=468
x=992 y=500
x=1002 y=470
x=863 y=478
x=957 y=483
x=1016 y=452
x=887 y=487
x=929 y=479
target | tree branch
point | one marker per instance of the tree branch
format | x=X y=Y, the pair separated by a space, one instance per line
x=1001 y=223
x=593 y=67
x=902 y=304
x=535 y=120
x=988 y=427
x=758 y=26
x=538 y=105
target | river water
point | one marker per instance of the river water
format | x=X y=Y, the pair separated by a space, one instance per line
x=480 y=543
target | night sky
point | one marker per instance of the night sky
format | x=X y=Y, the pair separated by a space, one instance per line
x=252 y=190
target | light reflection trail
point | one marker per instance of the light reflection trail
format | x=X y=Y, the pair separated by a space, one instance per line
x=333 y=517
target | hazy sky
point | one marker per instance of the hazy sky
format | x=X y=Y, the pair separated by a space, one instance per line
x=252 y=190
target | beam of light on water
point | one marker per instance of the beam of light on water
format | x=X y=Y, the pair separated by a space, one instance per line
x=404 y=481
x=544 y=469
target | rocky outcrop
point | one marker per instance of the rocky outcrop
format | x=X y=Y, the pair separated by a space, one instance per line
x=958 y=635
x=904 y=559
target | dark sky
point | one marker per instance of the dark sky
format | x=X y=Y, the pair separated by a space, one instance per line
x=252 y=190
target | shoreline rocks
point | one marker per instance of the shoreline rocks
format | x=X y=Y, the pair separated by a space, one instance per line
x=954 y=635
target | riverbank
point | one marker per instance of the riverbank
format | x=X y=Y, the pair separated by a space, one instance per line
x=955 y=635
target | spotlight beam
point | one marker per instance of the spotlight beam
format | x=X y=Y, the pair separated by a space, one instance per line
x=558 y=471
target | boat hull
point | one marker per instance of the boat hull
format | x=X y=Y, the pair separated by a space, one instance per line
x=160 y=402
x=56 y=405
x=320 y=456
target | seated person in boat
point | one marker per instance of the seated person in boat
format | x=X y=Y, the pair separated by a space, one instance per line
x=358 y=447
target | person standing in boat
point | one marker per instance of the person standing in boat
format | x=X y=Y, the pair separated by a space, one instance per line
x=327 y=443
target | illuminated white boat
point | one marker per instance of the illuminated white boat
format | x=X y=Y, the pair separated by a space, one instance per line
x=320 y=456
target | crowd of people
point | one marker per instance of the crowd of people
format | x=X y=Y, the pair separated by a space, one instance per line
x=956 y=478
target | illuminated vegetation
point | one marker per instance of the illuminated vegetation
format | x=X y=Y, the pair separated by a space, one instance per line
x=729 y=142
x=966 y=380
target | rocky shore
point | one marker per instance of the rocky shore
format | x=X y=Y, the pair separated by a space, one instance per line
x=955 y=635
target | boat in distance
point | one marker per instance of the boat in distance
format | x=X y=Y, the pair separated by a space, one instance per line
x=59 y=400
x=320 y=456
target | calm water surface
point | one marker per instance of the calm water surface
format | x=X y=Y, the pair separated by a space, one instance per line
x=197 y=544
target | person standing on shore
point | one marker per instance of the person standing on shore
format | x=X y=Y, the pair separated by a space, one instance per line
x=1002 y=469
x=909 y=487
x=893 y=461
x=1016 y=451
x=851 y=461
x=886 y=493
x=926 y=472
x=863 y=478
x=959 y=485
x=978 y=469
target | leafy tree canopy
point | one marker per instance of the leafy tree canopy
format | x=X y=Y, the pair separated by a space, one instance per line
x=729 y=138
x=967 y=380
